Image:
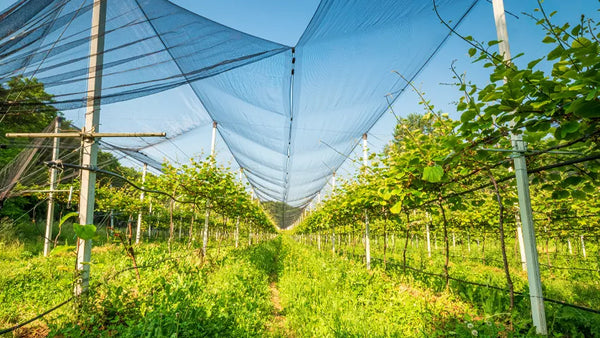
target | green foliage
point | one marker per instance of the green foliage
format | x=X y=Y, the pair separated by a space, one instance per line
x=23 y=108
x=86 y=232
x=439 y=173
x=325 y=296
x=177 y=294
x=433 y=174
x=66 y=218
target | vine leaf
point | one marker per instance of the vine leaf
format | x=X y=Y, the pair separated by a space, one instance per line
x=397 y=208
x=433 y=174
x=66 y=217
x=85 y=232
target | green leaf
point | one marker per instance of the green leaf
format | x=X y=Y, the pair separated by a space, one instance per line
x=573 y=180
x=583 y=108
x=532 y=64
x=386 y=195
x=592 y=95
x=578 y=194
x=560 y=194
x=433 y=174
x=568 y=128
x=397 y=208
x=472 y=51
x=66 y=217
x=549 y=39
x=555 y=53
x=85 y=232
x=590 y=189
x=580 y=42
x=467 y=116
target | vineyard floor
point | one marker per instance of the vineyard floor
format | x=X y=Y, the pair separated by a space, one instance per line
x=276 y=288
x=477 y=277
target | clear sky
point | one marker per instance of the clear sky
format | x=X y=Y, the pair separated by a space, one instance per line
x=284 y=22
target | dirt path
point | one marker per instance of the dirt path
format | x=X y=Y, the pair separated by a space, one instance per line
x=277 y=327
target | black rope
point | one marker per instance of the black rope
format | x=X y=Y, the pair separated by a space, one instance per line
x=10 y=329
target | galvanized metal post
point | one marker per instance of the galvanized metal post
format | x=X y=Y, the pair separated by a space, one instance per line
x=213 y=140
x=138 y=230
x=207 y=215
x=50 y=214
x=428 y=235
x=531 y=254
x=89 y=146
x=333 y=231
x=521 y=246
x=367 y=240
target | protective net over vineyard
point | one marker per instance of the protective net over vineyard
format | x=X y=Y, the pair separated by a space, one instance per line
x=289 y=115
x=476 y=215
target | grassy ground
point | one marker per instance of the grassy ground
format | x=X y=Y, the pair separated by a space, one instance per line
x=329 y=296
x=275 y=288
x=177 y=294
x=575 y=285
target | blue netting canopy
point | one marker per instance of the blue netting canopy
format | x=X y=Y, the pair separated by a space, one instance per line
x=289 y=115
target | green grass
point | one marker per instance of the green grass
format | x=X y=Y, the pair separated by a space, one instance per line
x=277 y=288
x=176 y=295
x=328 y=296
x=574 y=286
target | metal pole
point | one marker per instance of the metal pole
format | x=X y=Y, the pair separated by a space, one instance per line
x=333 y=241
x=237 y=222
x=319 y=240
x=469 y=241
x=213 y=140
x=367 y=240
x=138 y=230
x=207 y=215
x=237 y=231
x=522 y=178
x=90 y=148
x=333 y=229
x=428 y=236
x=50 y=215
x=521 y=244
